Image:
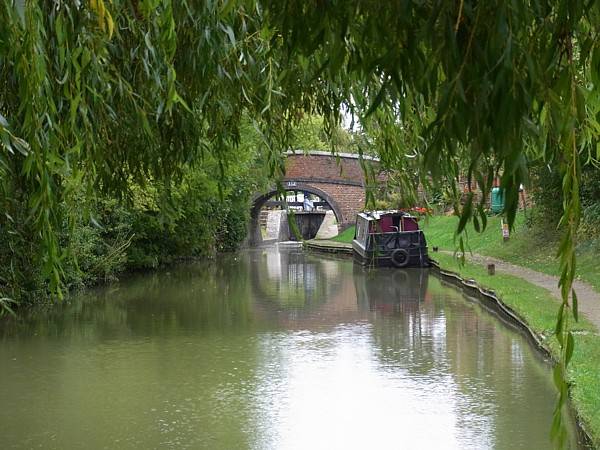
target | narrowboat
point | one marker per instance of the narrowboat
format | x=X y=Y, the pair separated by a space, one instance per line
x=389 y=238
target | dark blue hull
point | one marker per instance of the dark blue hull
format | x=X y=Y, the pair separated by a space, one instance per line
x=400 y=249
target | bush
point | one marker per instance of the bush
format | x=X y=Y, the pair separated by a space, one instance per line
x=196 y=219
x=98 y=242
x=547 y=199
x=590 y=202
x=196 y=216
x=21 y=278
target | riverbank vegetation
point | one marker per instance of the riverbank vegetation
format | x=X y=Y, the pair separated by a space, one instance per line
x=345 y=236
x=155 y=224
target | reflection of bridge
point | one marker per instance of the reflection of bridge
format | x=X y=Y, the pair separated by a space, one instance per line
x=337 y=179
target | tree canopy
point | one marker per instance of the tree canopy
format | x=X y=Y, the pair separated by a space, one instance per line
x=99 y=93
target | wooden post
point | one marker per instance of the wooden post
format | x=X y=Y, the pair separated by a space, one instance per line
x=505 y=231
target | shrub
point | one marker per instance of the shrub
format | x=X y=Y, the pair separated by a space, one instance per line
x=98 y=241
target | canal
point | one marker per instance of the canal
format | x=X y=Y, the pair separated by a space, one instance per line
x=272 y=349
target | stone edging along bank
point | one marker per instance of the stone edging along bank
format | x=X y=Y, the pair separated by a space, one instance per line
x=513 y=318
x=490 y=295
x=328 y=246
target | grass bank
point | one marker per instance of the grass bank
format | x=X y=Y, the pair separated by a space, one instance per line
x=345 y=236
x=538 y=308
x=526 y=246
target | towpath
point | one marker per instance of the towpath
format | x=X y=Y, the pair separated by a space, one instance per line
x=587 y=298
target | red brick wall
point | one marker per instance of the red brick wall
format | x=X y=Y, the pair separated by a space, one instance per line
x=346 y=176
x=350 y=199
x=323 y=167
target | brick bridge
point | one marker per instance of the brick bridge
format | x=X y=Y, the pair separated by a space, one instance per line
x=337 y=180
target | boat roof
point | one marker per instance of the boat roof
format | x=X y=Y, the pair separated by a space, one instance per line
x=376 y=215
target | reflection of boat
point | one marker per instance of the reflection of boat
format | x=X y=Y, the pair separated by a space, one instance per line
x=389 y=238
x=390 y=291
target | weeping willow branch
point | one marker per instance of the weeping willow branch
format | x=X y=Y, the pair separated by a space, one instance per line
x=107 y=92
x=570 y=221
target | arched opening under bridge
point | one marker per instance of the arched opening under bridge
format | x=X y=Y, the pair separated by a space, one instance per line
x=313 y=210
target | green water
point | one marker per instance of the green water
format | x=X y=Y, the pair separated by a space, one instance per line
x=270 y=350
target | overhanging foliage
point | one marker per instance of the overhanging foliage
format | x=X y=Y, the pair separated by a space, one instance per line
x=95 y=94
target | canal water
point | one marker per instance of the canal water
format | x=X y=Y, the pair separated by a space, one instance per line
x=272 y=349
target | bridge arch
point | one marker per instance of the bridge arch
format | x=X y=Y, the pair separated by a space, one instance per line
x=337 y=179
x=260 y=200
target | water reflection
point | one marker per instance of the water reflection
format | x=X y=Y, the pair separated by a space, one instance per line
x=271 y=349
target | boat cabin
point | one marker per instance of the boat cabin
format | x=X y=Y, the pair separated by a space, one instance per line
x=389 y=238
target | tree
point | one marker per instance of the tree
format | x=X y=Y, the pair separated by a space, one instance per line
x=97 y=93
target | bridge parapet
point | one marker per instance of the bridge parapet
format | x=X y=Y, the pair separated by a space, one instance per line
x=323 y=167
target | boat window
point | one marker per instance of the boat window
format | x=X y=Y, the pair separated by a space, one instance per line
x=387 y=224
x=409 y=224
x=361 y=229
